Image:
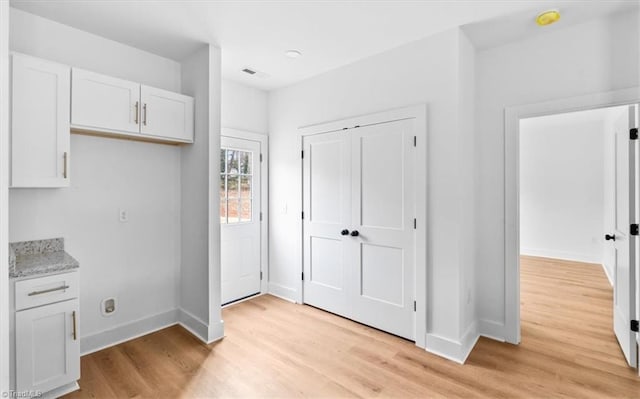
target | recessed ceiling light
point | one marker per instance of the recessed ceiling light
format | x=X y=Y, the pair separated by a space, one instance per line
x=548 y=17
x=293 y=53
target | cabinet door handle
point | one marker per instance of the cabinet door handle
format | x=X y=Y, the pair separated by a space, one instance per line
x=144 y=108
x=64 y=287
x=75 y=326
x=64 y=169
x=137 y=106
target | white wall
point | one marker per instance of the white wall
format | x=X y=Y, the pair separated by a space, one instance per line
x=4 y=195
x=244 y=107
x=138 y=261
x=562 y=188
x=596 y=56
x=426 y=71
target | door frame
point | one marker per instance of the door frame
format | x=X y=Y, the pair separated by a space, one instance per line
x=512 y=118
x=419 y=113
x=263 y=139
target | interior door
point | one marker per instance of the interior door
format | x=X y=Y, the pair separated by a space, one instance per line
x=240 y=182
x=625 y=243
x=383 y=217
x=327 y=207
x=358 y=204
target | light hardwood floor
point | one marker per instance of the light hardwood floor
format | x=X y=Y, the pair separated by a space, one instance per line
x=274 y=348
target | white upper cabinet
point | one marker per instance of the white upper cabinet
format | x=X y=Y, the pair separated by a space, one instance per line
x=104 y=103
x=40 y=139
x=166 y=114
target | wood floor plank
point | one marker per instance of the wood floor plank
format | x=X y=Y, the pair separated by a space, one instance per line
x=276 y=349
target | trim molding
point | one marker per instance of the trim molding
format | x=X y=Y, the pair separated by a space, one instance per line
x=491 y=329
x=608 y=274
x=454 y=350
x=511 y=128
x=563 y=255
x=135 y=329
x=128 y=331
x=282 y=292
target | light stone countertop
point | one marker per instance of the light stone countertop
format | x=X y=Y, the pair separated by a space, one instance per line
x=31 y=258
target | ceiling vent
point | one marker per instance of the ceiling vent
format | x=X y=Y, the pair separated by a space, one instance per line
x=252 y=72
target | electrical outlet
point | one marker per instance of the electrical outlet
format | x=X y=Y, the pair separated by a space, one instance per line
x=123 y=215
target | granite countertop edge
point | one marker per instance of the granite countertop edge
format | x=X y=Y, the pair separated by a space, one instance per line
x=41 y=257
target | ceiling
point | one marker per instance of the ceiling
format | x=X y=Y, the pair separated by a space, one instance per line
x=256 y=34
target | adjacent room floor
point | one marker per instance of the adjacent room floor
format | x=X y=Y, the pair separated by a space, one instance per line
x=274 y=348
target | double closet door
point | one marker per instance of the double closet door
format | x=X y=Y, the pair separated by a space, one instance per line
x=358 y=224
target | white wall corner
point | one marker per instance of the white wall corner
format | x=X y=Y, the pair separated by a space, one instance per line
x=492 y=330
x=128 y=331
x=282 y=292
x=457 y=351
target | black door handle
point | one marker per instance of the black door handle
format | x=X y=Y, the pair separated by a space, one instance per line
x=609 y=237
x=355 y=233
x=344 y=232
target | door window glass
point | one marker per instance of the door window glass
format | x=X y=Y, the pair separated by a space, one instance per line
x=236 y=183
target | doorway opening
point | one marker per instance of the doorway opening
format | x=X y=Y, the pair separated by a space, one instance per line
x=577 y=206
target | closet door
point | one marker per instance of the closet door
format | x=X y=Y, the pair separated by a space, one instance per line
x=382 y=204
x=327 y=215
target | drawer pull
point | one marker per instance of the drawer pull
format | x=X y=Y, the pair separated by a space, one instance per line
x=75 y=328
x=64 y=287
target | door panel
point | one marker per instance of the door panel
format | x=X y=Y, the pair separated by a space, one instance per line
x=326 y=268
x=383 y=209
x=240 y=218
x=382 y=271
x=381 y=183
x=326 y=191
x=625 y=244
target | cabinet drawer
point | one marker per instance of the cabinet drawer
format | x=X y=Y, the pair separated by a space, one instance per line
x=44 y=290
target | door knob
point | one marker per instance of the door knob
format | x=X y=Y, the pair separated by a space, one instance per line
x=609 y=237
x=355 y=233
x=344 y=232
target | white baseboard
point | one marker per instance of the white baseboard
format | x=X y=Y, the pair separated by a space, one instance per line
x=491 y=329
x=457 y=351
x=564 y=255
x=608 y=274
x=60 y=391
x=126 y=332
x=205 y=333
x=282 y=292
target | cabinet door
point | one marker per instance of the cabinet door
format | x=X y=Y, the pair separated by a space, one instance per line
x=47 y=347
x=39 y=123
x=166 y=114
x=103 y=103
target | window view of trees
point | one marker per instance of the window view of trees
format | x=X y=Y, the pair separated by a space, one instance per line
x=235 y=186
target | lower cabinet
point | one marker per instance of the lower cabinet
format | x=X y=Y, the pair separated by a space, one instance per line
x=47 y=347
x=47 y=338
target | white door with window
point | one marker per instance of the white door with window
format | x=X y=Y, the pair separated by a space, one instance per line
x=240 y=184
x=624 y=238
x=358 y=203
